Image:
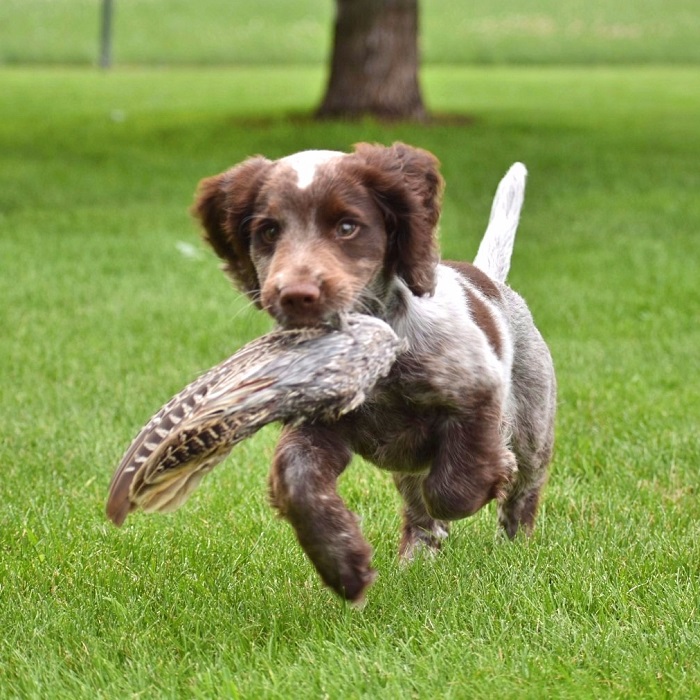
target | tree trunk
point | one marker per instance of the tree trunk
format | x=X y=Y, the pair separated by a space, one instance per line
x=374 y=69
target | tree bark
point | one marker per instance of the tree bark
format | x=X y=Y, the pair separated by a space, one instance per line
x=374 y=67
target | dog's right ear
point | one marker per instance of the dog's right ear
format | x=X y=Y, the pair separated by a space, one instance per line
x=223 y=205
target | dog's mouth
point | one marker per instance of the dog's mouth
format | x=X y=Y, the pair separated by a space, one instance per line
x=333 y=319
x=320 y=312
x=312 y=304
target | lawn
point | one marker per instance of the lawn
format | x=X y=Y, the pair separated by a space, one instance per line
x=270 y=32
x=110 y=304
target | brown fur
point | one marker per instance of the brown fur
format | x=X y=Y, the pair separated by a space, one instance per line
x=357 y=232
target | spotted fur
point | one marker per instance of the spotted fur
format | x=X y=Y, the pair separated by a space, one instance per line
x=466 y=414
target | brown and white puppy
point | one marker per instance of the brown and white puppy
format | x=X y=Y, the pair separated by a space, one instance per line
x=467 y=413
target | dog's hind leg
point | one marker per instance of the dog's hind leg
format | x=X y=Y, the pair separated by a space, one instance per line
x=531 y=432
x=420 y=531
x=519 y=508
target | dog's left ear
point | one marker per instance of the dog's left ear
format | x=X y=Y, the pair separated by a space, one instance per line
x=408 y=188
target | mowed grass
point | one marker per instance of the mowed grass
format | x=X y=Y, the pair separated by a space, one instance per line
x=110 y=305
x=270 y=32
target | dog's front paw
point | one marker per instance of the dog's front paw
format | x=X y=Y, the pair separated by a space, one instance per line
x=350 y=574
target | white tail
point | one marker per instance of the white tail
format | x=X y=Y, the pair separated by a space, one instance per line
x=496 y=246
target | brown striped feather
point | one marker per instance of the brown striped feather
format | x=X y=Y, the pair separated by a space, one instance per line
x=288 y=375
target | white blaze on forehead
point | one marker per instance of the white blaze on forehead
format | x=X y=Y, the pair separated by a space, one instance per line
x=305 y=164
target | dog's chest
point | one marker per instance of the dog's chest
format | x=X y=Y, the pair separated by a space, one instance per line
x=398 y=428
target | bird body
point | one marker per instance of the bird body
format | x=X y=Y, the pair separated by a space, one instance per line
x=293 y=375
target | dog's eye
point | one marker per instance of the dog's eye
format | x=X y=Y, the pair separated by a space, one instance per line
x=268 y=232
x=347 y=229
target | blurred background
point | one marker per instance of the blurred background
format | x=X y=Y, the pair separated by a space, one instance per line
x=227 y=32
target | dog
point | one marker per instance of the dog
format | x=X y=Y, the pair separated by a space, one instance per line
x=467 y=413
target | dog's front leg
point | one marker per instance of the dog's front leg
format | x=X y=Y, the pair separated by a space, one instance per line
x=472 y=464
x=307 y=463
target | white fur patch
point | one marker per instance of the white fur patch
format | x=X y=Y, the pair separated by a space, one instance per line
x=305 y=164
x=496 y=248
x=443 y=323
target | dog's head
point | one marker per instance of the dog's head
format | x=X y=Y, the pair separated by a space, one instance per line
x=322 y=232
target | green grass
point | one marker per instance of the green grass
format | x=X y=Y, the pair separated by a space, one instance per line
x=271 y=32
x=104 y=318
